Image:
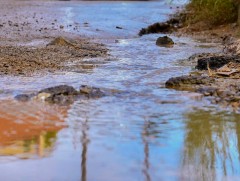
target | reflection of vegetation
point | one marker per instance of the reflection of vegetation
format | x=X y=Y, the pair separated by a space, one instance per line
x=37 y=145
x=209 y=144
x=147 y=132
x=85 y=142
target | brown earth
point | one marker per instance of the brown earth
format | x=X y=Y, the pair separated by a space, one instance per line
x=217 y=76
x=24 y=39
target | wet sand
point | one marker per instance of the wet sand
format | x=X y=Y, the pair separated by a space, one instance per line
x=27 y=27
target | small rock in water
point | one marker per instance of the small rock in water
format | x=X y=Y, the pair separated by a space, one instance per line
x=61 y=89
x=118 y=27
x=62 y=94
x=165 y=41
x=91 y=92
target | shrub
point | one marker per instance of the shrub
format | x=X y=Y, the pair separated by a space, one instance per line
x=213 y=12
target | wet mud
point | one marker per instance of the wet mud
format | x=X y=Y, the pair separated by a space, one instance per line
x=20 y=60
x=217 y=76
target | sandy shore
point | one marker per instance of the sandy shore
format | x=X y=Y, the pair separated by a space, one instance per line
x=27 y=27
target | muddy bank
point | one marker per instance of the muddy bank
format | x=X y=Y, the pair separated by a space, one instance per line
x=217 y=76
x=22 y=60
x=39 y=41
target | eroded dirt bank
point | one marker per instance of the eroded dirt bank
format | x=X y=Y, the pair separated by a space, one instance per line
x=32 y=40
x=216 y=76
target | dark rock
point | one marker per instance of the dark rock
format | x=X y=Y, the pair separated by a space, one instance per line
x=60 y=90
x=65 y=95
x=157 y=28
x=188 y=81
x=216 y=62
x=62 y=94
x=165 y=41
x=91 y=92
x=61 y=99
x=197 y=56
x=118 y=27
x=166 y=27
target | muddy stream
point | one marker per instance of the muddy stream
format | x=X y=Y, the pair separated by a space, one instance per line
x=147 y=133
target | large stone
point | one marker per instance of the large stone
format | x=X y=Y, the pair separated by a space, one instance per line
x=62 y=94
x=61 y=89
x=216 y=62
x=164 y=41
x=65 y=95
x=188 y=82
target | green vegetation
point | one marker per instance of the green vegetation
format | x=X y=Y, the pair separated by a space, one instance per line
x=213 y=12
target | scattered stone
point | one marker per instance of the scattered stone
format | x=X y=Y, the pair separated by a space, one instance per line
x=165 y=41
x=222 y=85
x=65 y=95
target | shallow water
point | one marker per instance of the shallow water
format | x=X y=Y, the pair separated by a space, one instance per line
x=147 y=133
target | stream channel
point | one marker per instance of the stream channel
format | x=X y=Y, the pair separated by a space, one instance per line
x=148 y=133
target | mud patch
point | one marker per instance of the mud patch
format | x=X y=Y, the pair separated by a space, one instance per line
x=23 y=60
x=223 y=89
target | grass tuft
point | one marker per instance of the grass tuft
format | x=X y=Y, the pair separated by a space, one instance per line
x=212 y=12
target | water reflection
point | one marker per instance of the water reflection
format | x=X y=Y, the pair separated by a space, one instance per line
x=211 y=145
x=29 y=129
x=40 y=145
x=145 y=134
x=84 y=141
